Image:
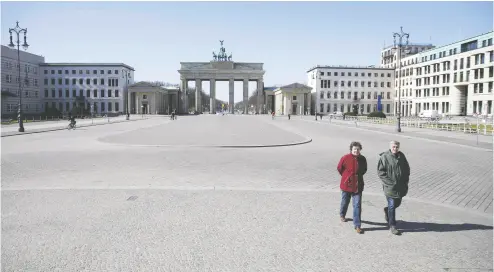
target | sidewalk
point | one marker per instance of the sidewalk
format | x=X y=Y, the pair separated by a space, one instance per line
x=29 y=128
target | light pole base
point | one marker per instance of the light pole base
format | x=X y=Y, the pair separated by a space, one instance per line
x=21 y=129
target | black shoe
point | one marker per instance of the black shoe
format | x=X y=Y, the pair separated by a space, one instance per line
x=386 y=215
x=394 y=231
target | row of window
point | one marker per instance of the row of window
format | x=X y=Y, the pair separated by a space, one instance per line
x=27 y=81
x=478 y=107
x=435 y=92
x=88 y=72
x=96 y=106
x=81 y=93
x=350 y=74
x=355 y=95
x=327 y=84
x=25 y=93
x=7 y=65
x=26 y=107
x=479 y=87
x=457 y=77
x=350 y=108
x=432 y=106
x=112 y=82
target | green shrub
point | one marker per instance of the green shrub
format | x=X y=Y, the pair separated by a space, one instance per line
x=377 y=114
x=350 y=114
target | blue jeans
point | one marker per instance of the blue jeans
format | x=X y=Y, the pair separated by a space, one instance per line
x=393 y=203
x=357 y=206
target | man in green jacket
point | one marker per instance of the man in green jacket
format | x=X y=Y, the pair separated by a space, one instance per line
x=394 y=172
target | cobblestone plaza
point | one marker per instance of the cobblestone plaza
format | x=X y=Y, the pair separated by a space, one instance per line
x=202 y=193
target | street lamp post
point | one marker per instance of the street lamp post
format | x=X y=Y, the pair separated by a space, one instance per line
x=17 y=30
x=400 y=45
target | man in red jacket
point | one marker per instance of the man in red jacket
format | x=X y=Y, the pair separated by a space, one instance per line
x=352 y=168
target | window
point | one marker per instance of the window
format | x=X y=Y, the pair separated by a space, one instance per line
x=52 y=81
x=335 y=96
x=67 y=81
x=73 y=72
x=109 y=72
x=389 y=74
x=66 y=72
x=74 y=94
x=88 y=93
x=328 y=108
x=53 y=93
x=328 y=94
x=369 y=84
x=67 y=93
x=321 y=107
x=46 y=72
x=46 y=92
x=109 y=93
x=95 y=81
x=88 y=81
x=81 y=81
x=388 y=108
x=102 y=106
x=389 y=84
x=102 y=92
x=382 y=84
x=52 y=72
x=369 y=95
x=116 y=72
x=74 y=81
x=95 y=72
x=321 y=95
x=109 y=106
x=388 y=95
x=102 y=81
x=117 y=107
x=95 y=93
x=59 y=92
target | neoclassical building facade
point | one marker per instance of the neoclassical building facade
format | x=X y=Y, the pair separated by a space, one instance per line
x=148 y=98
x=221 y=68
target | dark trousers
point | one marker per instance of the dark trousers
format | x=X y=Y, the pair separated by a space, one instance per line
x=357 y=206
x=393 y=204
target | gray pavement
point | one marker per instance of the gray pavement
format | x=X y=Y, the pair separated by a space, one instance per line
x=71 y=201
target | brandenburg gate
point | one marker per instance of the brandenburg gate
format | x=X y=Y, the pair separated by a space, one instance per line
x=221 y=68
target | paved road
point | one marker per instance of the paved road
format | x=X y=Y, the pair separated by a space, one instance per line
x=71 y=201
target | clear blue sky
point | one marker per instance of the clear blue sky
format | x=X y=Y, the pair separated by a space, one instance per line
x=288 y=37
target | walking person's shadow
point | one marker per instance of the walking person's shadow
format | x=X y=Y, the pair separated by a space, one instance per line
x=408 y=226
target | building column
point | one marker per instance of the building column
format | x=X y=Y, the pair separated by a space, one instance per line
x=185 y=108
x=198 y=105
x=127 y=106
x=212 y=96
x=259 y=95
x=231 y=87
x=246 y=95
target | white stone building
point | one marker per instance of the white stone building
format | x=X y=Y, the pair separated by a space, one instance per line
x=31 y=96
x=341 y=88
x=97 y=87
x=455 y=79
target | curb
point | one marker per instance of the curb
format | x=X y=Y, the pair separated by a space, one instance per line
x=64 y=128
x=306 y=141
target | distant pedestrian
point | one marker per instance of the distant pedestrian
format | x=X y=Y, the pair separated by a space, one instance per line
x=289 y=115
x=352 y=168
x=394 y=171
x=272 y=115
